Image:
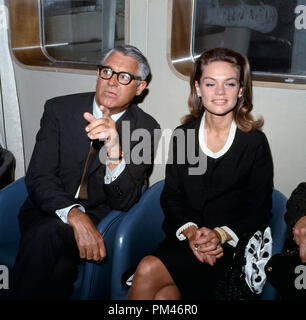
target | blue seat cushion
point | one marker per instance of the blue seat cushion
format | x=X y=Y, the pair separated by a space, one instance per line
x=8 y=253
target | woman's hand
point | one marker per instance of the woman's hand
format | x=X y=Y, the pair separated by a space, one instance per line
x=195 y=243
x=209 y=243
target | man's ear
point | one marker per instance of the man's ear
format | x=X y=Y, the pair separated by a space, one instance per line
x=140 y=87
x=98 y=75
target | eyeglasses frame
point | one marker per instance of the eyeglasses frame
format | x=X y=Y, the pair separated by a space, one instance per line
x=100 y=67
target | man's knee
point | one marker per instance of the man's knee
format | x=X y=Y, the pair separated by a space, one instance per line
x=52 y=234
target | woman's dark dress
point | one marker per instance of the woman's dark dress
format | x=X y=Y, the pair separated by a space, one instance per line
x=235 y=191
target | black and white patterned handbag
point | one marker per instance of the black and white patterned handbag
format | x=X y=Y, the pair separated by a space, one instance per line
x=245 y=278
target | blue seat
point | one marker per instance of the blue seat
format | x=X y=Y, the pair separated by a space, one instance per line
x=93 y=281
x=278 y=228
x=138 y=235
x=7 y=167
x=140 y=232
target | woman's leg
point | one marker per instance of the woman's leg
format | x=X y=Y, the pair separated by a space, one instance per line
x=153 y=281
x=168 y=292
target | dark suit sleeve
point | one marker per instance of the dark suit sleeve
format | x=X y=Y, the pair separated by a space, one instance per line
x=43 y=183
x=296 y=205
x=258 y=203
x=123 y=192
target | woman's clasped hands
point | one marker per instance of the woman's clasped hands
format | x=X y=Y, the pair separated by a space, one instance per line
x=206 y=245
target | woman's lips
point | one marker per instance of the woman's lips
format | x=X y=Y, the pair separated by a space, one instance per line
x=219 y=101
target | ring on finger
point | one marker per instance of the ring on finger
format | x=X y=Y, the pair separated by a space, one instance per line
x=196 y=247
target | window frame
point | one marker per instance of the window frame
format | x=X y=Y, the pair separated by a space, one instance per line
x=180 y=49
x=26 y=35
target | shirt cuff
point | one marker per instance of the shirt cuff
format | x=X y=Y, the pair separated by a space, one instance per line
x=111 y=176
x=63 y=213
x=233 y=235
x=179 y=231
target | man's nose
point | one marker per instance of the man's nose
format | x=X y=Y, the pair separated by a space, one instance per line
x=113 y=80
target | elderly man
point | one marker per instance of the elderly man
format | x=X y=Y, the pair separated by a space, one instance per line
x=70 y=187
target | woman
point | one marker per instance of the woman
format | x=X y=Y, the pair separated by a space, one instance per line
x=207 y=213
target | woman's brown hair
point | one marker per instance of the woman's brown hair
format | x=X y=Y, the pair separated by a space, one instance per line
x=242 y=112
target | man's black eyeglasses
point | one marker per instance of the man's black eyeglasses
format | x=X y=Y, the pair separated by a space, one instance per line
x=124 y=78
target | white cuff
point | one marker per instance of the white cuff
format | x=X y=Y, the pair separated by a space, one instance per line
x=111 y=176
x=233 y=235
x=63 y=213
x=179 y=231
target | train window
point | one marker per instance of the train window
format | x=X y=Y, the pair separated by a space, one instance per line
x=272 y=33
x=80 y=30
x=67 y=33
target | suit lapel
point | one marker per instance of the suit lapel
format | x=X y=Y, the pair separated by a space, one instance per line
x=79 y=129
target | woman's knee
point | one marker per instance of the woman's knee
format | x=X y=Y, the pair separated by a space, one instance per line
x=148 y=267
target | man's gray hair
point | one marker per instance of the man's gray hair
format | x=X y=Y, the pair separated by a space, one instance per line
x=144 y=68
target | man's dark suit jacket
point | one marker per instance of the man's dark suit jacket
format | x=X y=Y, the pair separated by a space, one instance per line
x=296 y=209
x=58 y=160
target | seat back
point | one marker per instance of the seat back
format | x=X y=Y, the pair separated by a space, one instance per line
x=7 y=167
x=138 y=235
x=11 y=199
x=94 y=280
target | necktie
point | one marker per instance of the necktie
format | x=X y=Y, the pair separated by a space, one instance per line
x=83 y=185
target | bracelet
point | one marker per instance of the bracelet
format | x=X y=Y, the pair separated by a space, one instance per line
x=115 y=159
x=179 y=233
x=222 y=234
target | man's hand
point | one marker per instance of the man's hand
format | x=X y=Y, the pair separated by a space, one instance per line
x=89 y=240
x=299 y=233
x=103 y=128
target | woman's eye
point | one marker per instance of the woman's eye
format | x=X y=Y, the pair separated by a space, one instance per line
x=209 y=84
x=231 y=84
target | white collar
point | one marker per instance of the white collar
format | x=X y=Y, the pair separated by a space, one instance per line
x=97 y=113
x=202 y=140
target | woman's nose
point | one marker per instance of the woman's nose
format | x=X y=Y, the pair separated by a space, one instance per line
x=220 y=89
